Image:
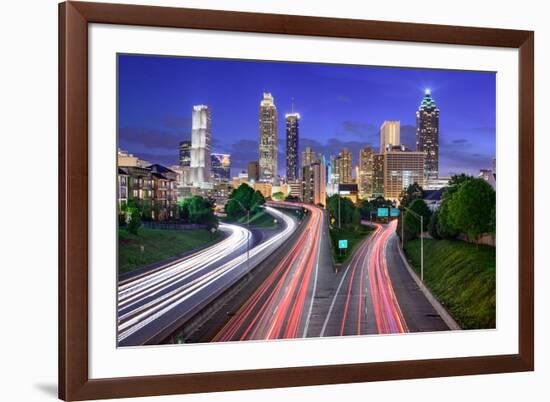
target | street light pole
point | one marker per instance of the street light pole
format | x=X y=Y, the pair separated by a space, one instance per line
x=421 y=248
x=418 y=216
x=339 y=219
x=247 y=235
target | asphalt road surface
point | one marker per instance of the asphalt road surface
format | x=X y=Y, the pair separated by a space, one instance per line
x=376 y=294
x=153 y=304
x=281 y=306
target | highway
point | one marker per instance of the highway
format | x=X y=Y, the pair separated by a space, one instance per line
x=281 y=306
x=154 y=303
x=376 y=294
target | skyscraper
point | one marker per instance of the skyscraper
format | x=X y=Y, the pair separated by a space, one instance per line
x=390 y=134
x=221 y=167
x=201 y=140
x=314 y=183
x=365 y=172
x=427 y=135
x=344 y=167
x=292 y=143
x=185 y=162
x=378 y=175
x=253 y=171
x=402 y=168
x=308 y=157
x=268 y=139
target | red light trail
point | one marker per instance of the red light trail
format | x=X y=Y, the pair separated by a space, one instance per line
x=277 y=309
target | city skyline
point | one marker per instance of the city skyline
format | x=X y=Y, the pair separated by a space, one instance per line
x=149 y=127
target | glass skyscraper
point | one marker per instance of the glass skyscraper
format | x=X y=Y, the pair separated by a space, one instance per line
x=427 y=136
x=292 y=144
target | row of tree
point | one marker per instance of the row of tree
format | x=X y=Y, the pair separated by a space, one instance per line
x=195 y=210
x=467 y=208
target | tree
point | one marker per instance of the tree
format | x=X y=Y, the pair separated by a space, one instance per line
x=446 y=226
x=132 y=214
x=342 y=207
x=412 y=221
x=472 y=208
x=411 y=193
x=278 y=196
x=243 y=200
x=433 y=229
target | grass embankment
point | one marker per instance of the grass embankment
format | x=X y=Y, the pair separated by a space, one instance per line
x=158 y=245
x=261 y=220
x=353 y=234
x=462 y=276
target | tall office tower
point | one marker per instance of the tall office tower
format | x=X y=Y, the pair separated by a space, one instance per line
x=365 y=172
x=201 y=140
x=332 y=177
x=308 y=157
x=253 y=171
x=221 y=167
x=314 y=183
x=268 y=139
x=292 y=144
x=185 y=162
x=378 y=175
x=427 y=136
x=402 y=168
x=390 y=134
x=344 y=167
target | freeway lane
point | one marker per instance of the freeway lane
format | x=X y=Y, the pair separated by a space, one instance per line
x=281 y=306
x=152 y=304
x=377 y=295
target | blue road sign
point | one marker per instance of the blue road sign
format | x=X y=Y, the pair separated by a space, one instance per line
x=383 y=212
x=394 y=212
x=342 y=244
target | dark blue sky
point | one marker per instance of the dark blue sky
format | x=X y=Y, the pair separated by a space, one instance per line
x=339 y=105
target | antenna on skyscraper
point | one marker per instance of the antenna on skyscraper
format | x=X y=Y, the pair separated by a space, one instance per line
x=293 y=104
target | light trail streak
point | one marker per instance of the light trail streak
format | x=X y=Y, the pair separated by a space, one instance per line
x=276 y=310
x=148 y=297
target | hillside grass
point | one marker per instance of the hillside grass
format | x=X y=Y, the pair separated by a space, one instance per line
x=158 y=245
x=462 y=276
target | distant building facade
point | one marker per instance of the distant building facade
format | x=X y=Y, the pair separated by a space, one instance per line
x=221 y=167
x=308 y=157
x=390 y=134
x=427 y=135
x=253 y=171
x=402 y=168
x=292 y=145
x=365 y=172
x=314 y=183
x=377 y=175
x=201 y=142
x=185 y=162
x=268 y=139
x=344 y=167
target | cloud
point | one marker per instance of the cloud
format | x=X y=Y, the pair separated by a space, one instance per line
x=359 y=129
x=150 y=138
x=176 y=122
x=343 y=99
x=460 y=141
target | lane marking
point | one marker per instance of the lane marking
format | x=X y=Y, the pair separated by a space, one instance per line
x=306 y=327
x=333 y=302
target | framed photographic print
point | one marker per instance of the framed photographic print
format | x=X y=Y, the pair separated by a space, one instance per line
x=259 y=200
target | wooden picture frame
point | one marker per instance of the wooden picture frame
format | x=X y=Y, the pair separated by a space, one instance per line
x=74 y=381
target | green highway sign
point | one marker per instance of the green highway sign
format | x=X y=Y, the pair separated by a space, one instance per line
x=383 y=212
x=394 y=212
x=342 y=244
